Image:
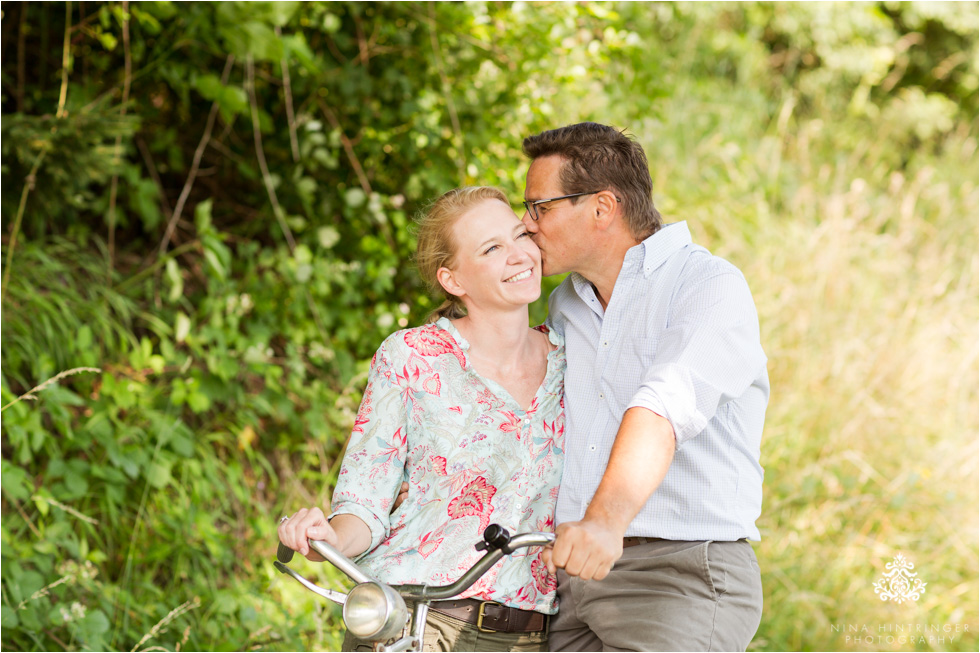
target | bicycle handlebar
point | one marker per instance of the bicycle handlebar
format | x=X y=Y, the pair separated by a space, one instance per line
x=497 y=542
x=464 y=582
x=377 y=612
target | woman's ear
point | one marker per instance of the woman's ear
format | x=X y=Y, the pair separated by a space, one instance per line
x=448 y=282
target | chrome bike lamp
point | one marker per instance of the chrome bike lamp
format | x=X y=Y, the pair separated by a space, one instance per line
x=374 y=611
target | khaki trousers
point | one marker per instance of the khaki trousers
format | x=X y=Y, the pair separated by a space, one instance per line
x=664 y=596
x=444 y=633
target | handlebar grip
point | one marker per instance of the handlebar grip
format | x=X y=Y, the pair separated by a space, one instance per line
x=284 y=554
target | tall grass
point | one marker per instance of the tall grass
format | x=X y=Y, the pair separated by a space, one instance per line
x=866 y=280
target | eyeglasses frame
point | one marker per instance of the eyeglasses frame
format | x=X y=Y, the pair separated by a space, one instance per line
x=532 y=206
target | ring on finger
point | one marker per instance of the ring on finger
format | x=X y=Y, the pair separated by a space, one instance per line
x=284 y=518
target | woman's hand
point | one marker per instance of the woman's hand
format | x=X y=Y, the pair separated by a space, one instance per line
x=307 y=524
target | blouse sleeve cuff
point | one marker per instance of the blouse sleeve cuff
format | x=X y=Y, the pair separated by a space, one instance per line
x=378 y=530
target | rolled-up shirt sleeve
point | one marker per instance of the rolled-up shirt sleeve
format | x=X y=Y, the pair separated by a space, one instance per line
x=374 y=463
x=708 y=354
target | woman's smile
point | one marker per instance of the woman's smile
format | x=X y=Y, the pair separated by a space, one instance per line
x=520 y=276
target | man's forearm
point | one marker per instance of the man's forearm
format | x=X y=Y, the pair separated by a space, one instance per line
x=638 y=462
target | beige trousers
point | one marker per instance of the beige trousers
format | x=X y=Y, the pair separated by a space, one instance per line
x=664 y=596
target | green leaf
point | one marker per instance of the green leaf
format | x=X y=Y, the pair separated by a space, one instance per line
x=296 y=46
x=303 y=254
x=158 y=474
x=182 y=327
x=42 y=505
x=182 y=445
x=25 y=584
x=202 y=216
x=91 y=629
x=209 y=86
x=8 y=618
x=328 y=237
x=214 y=262
x=198 y=402
x=355 y=198
x=76 y=484
x=15 y=481
x=281 y=12
x=254 y=39
x=83 y=340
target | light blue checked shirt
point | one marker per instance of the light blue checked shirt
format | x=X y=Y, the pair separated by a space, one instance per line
x=680 y=336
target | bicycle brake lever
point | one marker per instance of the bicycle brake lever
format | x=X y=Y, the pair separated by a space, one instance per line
x=337 y=597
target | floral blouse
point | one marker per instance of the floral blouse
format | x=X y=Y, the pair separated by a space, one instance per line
x=471 y=457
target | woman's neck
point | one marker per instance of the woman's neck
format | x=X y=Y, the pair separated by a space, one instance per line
x=501 y=336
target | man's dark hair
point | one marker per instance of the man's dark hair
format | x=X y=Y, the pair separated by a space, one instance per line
x=599 y=157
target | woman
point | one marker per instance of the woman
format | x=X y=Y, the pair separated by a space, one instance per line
x=468 y=410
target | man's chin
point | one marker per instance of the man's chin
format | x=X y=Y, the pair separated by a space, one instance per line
x=548 y=271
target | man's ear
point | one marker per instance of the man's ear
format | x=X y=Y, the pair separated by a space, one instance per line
x=448 y=282
x=606 y=208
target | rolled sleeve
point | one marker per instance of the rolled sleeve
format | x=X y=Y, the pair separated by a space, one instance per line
x=376 y=523
x=709 y=353
x=374 y=464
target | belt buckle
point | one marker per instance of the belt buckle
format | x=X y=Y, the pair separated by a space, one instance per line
x=480 y=614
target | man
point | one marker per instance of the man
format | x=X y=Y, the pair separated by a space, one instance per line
x=666 y=391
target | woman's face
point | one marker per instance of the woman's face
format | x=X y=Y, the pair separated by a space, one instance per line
x=497 y=265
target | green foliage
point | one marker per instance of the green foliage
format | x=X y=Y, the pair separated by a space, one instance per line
x=233 y=336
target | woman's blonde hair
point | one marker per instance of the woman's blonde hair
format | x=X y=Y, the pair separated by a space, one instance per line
x=436 y=245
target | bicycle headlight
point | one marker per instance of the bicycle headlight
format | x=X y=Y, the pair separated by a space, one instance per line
x=374 y=612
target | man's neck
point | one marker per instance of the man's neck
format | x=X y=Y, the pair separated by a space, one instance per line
x=606 y=266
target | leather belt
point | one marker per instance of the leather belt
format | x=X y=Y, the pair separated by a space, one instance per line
x=633 y=541
x=490 y=617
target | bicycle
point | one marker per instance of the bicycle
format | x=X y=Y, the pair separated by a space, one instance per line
x=376 y=612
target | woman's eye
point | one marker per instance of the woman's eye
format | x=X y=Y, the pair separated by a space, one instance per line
x=524 y=234
x=490 y=249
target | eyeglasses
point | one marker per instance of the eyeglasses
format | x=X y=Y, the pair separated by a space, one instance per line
x=532 y=206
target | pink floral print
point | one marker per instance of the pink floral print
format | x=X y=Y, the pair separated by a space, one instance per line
x=471 y=456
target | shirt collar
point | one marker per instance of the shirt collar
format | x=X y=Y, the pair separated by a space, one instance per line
x=651 y=253
x=660 y=246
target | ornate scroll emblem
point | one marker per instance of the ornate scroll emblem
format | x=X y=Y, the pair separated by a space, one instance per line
x=899 y=583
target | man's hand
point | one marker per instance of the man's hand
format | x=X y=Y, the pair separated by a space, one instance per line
x=402 y=495
x=587 y=549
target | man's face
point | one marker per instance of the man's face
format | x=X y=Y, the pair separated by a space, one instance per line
x=563 y=228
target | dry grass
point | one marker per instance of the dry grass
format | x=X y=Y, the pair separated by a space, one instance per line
x=866 y=281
